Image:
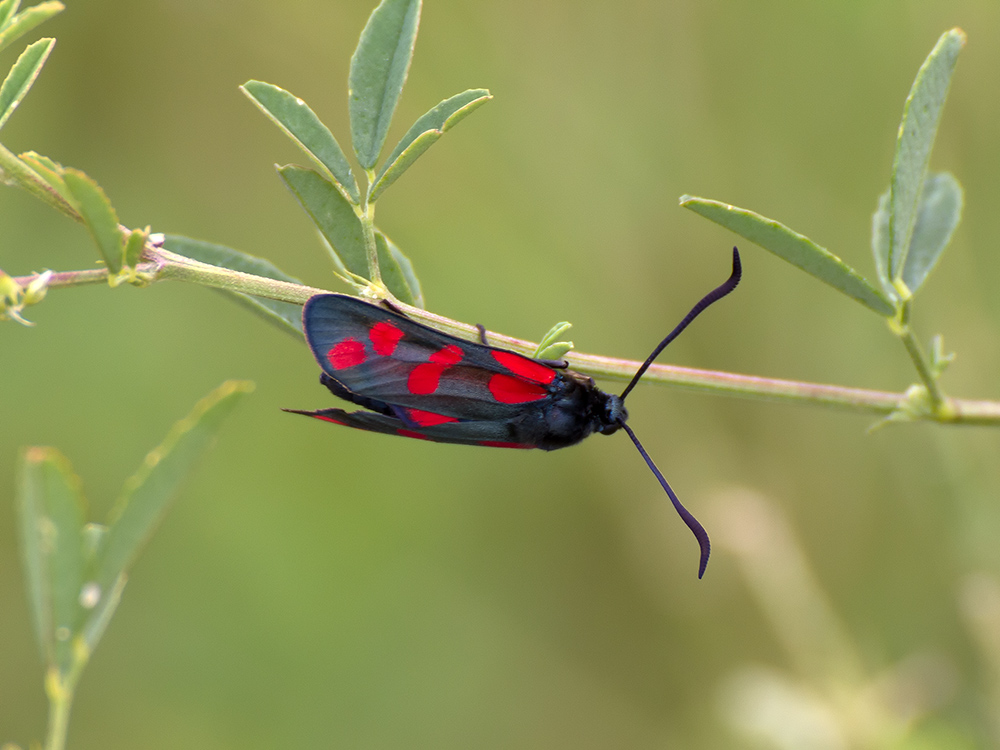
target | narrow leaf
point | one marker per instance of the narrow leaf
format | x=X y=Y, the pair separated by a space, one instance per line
x=32 y=527
x=938 y=214
x=97 y=609
x=98 y=216
x=287 y=316
x=25 y=21
x=378 y=72
x=302 y=125
x=881 y=243
x=51 y=171
x=22 y=76
x=134 y=246
x=921 y=116
x=14 y=171
x=550 y=347
x=332 y=214
x=147 y=493
x=795 y=248
x=52 y=510
x=7 y=9
x=97 y=621
x=425 y=132
x=397 y=272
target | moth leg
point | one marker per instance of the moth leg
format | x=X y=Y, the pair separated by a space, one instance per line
x=482 y=333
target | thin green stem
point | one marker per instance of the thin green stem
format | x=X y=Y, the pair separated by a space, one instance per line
x=367 y=216
x=900 y=325
x=180 y=268
x=166 y=265
x=60 y=690
x=59 y=708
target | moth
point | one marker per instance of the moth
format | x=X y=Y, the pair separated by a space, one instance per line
x=417 y=382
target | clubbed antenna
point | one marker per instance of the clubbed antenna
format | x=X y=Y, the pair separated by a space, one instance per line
x=713 y=296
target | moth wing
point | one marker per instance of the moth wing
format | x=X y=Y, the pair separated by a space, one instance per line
x=375 y=354
x=484 y=433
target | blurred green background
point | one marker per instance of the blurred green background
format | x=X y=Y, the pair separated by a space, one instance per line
x=321 y=587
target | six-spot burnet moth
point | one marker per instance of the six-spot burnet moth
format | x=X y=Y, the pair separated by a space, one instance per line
x=420 y=383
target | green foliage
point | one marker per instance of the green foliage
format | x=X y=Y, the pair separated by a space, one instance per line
x=75 y=573
x=14 y=25
x=332 y=214
x=911 y=227
x=921 y=116
x=22 y=76
x=796 y=248
x=938 y=213
x=301 y=124
x=98 y=216
x=550 y=347
x=378 y=72
x=284 y=315
x=424 y=133
x=397 y=272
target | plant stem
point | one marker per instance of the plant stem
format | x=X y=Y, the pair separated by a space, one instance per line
x=55 y=736
x=900 y=325
x=366 y=212
x=60 y=690
x=163 y=264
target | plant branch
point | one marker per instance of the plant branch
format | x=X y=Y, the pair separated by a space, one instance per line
x=162 y=264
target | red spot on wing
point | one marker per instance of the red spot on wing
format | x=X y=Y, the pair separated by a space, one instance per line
x=347 y=353
x=384 y=337
x=450 y=355
x=524 y=367
x=328 y=419
x=428 y=418
x=508 y=390
x=411 y=434
x=424 y=378
x=499 y=444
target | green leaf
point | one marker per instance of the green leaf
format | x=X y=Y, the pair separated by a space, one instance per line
x=425 y=132
x=550 y=347
x=795 y=248
x=881 y=243
x=97 y=621
x=378 y=72
x=302 y=125
x=938 y=214
x=287 y=316
x=134 y=246
x=921 y=116
x=332 y=214
x=7 y=9
x=147 y=493
x=23 y=22
x=51 y=171
x=98 y=609
x=397 y=272
x=98 y=216
x=14 y=171
x=51 y=513
x=22 y=75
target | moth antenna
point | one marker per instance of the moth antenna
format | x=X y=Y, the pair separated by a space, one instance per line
x=692 y=523
x=713 y=296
